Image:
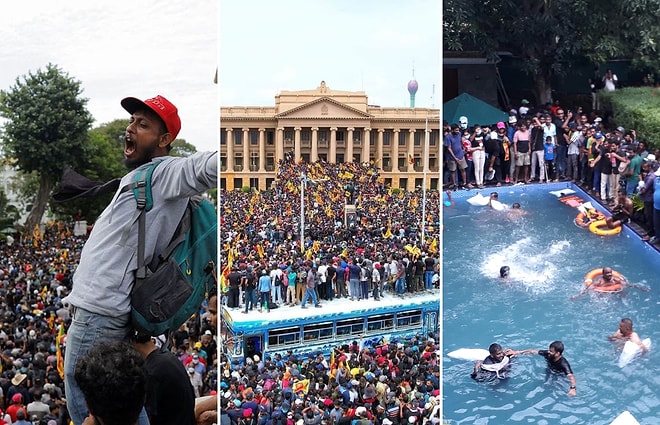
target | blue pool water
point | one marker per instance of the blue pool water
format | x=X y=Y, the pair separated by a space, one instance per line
x=548 y=256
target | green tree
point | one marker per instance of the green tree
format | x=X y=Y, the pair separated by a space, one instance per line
x=549 y=35
x=182 y=148
x=46 y=128
x=8 y=212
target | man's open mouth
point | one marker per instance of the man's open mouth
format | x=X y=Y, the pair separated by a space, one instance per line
x=129 y=145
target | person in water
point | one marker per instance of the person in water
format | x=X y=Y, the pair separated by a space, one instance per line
x=494 y=203
x=626 y=333
x=556 y=362
x=495 y=365
x=504 y=272
x=606 y=281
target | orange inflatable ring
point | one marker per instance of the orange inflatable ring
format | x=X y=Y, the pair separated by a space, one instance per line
x=592 y=216
x=595 y=274
x=599 y=227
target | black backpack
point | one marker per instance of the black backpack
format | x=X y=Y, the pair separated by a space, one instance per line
x=164 y=298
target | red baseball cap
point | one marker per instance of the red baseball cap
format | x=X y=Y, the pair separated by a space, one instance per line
x=161 y=106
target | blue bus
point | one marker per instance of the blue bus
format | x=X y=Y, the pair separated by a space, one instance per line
x=338 y=322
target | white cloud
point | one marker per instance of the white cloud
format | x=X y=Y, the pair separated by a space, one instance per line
x=122 y=48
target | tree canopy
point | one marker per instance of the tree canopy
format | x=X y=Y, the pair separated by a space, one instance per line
x=548 y=35
x=46 y=128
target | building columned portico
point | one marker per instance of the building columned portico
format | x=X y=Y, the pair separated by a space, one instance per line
x=335 y=126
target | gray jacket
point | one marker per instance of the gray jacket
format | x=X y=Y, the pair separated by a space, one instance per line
x=103 y=280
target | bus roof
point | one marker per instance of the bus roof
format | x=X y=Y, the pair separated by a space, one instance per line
x=340 y=308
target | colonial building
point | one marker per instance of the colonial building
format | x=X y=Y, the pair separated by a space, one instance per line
x=336 y=126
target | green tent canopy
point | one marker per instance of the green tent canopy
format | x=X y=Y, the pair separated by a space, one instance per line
x=477 y=111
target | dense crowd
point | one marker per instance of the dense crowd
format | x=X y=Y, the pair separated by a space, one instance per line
x=383 y=385
x=379 y=249
x=552 y=143
x=35 y=275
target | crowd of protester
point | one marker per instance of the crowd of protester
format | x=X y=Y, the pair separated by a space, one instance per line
x=35 y=275
x=379 y=251
x=376 y=251
x=553 y=143
x=392 y=383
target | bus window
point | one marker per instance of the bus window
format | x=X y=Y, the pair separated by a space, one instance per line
x=380 y=322
x=406 y=319
x=350 y=327
x=317 y=331
x=283 y=337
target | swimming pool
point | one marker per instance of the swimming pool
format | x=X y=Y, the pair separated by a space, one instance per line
x=548 y=256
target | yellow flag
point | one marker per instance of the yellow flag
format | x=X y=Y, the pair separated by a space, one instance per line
x=387 y=234
x=260 y=251
x=433 y=248
x=302 y=385
x=58 y=351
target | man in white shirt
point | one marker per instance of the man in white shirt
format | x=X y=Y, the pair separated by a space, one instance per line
x=276 y=290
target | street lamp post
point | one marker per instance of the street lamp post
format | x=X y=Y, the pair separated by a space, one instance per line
x=425 y=169
x=303 y=179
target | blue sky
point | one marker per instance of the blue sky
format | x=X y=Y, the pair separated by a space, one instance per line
x=122 y=48
x=369 y=45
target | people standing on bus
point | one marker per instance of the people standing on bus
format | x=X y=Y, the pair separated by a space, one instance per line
x=234 y=279
x=276 y=284
x=353 y=279
x=430 y=264
x=290 y=298
x=264 y=291
x=250 y=288
x=365 y=277
x=310 y=288
x=301 y=282
x=340 y=281
x=400 y=285
x=322 y=272
x=418 y=274
x=375 y=281
x=331 y=273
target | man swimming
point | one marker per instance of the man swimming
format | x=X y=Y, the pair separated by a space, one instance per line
x=504 y=272
x=606 y=282
x=494 y=202
x=607 y=279
x=626 y=333
x=556 y=362
x=496 y=365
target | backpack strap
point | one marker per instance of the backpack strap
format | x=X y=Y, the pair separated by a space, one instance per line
x=141 y=187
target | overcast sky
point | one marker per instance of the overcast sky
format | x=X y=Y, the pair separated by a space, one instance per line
x=371 y=45
x=122 y=48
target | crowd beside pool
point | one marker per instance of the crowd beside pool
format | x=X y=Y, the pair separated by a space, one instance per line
x=552 y=143
x=389 y=383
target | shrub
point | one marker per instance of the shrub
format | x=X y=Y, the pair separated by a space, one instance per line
x=636 y=108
